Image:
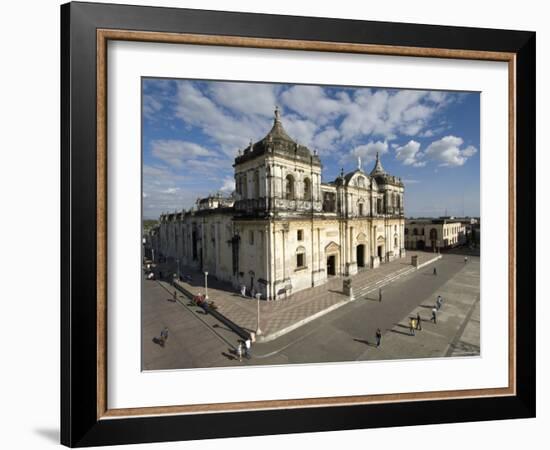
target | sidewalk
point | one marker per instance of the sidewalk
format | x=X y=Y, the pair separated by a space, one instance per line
x=282 y=316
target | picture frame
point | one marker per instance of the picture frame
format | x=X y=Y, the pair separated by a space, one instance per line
x=86 y=418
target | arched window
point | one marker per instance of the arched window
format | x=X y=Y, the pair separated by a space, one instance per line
x=433 y=233
x=289 y=187
x=307 y=189
x=415 y=231
x=361 y=209
x=406 y=231
x=256 y=184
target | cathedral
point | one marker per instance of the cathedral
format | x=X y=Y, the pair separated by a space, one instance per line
x=283 y=230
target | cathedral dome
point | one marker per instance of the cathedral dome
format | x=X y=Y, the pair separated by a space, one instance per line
x=279 y=142
x=381 y=176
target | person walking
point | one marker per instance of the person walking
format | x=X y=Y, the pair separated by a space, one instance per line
x=418 y=322
x=243 y=290
x=175 y=295
x=247 y=348
x=439 y=302
x=411 y=326
x=378 y=337
x=435 y=271
x=163 y=336
x=434 y=315
x=465 y=259
x=380 y=295
x=240 y=351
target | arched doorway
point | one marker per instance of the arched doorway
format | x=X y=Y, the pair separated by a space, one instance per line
x=360 y=256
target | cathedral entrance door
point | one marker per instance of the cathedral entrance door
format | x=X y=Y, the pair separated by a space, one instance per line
x=361 y=255
x=331 y=265
x=380 y=252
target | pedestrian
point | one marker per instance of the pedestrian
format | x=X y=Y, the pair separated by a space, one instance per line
x=247 y=348
x=439 y=302
x=418 y=322
x=412 y=325
x=175 y=295
x=435 y=271
x=380 y=295
x=465 y=259
x=240 y=351
x=163 y=336
x=434 y=315
x=378 y=337
x=243 y=290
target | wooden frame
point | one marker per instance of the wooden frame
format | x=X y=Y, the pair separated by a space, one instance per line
x=86 y=418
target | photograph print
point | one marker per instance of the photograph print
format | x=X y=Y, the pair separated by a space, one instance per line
x=299 y=224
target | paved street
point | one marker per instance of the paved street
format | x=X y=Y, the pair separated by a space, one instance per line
x=345 y=334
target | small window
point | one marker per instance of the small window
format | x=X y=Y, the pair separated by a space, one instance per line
x=251 y=237
x=360 y=209
x=300 y=235
x=300 y=260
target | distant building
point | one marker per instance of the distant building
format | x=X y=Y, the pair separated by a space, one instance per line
x=283 y=230
x=434 y=234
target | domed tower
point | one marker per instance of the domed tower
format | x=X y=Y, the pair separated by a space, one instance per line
x=390 y=189
x=276 y=175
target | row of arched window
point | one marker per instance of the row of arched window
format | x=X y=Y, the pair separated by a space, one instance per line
x=290 y=188
x=242 y=186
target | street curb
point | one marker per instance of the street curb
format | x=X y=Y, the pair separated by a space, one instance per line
x=429 y=262
x=272 y=336
x=232 y=325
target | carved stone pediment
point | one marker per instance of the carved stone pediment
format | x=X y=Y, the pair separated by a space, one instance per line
x=381 y=239
x=333 y=247
x=361 y=238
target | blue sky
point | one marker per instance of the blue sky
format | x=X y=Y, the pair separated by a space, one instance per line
x=192 y=130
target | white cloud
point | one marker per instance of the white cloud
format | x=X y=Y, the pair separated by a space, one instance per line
x=246 y=98
x=409 y=154
x=228 y=185
x=172 y=190
x=175 y=152
x=300 y=130
x=325 y=140
x=469 y=151
x=312 y=102
x=389 y=113
x=448 y=153
x=151 y=106
x=230 y=132
x=367 y=152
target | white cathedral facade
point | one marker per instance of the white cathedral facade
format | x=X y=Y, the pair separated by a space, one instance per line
x=283 y=230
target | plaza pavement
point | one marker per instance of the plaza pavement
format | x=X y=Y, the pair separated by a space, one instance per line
x=347 y=334
x=282 y=316
x=457 y=328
